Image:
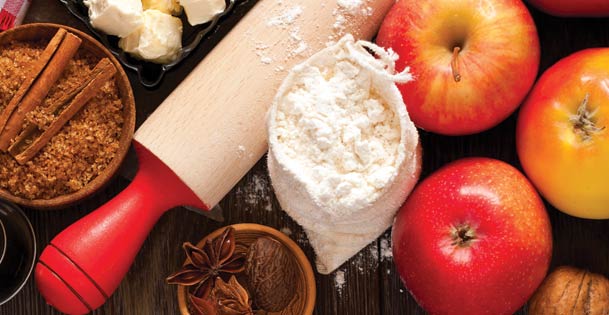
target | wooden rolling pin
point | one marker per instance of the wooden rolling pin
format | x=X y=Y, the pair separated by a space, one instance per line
x=198 y=144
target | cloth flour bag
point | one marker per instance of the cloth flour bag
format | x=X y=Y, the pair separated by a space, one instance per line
x=343 y=152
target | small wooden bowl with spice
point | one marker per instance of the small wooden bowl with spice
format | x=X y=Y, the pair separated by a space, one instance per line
x=67 y=115
x=258 y=270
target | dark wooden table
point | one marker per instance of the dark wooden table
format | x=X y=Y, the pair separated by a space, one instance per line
x=371 y=283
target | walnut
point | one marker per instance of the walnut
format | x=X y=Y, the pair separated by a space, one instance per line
x=271 y=274
x=568 y=290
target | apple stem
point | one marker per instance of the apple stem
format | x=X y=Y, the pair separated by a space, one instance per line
x=583 y=121
x=463 y=235
x=454 y=64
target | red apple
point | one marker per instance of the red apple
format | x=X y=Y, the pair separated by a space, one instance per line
x=473 y=238
x=473 y=61
x=595 y=8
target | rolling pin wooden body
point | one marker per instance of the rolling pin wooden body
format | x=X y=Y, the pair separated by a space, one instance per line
x=198 y=144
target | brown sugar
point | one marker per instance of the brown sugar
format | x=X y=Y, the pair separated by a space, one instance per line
x=83 y=148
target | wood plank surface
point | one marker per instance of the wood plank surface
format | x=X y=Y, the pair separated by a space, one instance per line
x=371 y=283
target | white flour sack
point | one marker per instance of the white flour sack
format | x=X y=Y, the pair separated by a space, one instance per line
x=343 y=153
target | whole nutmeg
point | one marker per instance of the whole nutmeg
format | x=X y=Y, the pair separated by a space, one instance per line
x=271 y=274
x=569 y=290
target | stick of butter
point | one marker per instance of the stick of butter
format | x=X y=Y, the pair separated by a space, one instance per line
x=115 y=17
x=158 y=40
x=202 y=11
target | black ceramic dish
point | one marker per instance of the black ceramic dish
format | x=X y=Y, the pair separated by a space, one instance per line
x=150 y=74
x=17 y=250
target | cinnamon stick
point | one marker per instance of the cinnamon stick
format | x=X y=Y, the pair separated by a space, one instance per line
x=40 y=88
x=31 y=76
x=32 y=139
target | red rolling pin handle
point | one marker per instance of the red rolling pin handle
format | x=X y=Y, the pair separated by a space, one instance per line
x=84 y=264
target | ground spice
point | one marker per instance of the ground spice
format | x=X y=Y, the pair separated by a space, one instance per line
x=83 y=148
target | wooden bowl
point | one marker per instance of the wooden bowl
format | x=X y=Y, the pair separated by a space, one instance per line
x=38 y=31
x=245 y=235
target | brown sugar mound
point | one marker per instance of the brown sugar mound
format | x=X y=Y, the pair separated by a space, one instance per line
x=83 y=148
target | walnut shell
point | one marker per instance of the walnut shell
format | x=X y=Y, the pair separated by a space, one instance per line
x=569 y=290
x=271 y=274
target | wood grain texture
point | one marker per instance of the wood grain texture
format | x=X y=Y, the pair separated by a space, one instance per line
x=211 y=130
x=372 y=286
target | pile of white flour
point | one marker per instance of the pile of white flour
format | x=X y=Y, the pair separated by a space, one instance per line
x=343 y=152
x=340 y=134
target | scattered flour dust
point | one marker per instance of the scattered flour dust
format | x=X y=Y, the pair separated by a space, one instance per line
x=365 y=262
x=300 y=46
x=261 y=49
x=346 y=9
x=241 y=151
x=287 y=231
x=266 y=60
x=256 y=191
x=350 y=5
x=386 y=251
x=339 y=281
x=288 y=18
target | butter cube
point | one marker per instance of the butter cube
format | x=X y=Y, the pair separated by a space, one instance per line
x=166 y=6
x=202 y=11
x=158 y=40
x=115 y=17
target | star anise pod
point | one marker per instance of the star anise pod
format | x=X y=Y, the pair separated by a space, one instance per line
x=201 y=306
x=217 y=258
x=231 y=298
